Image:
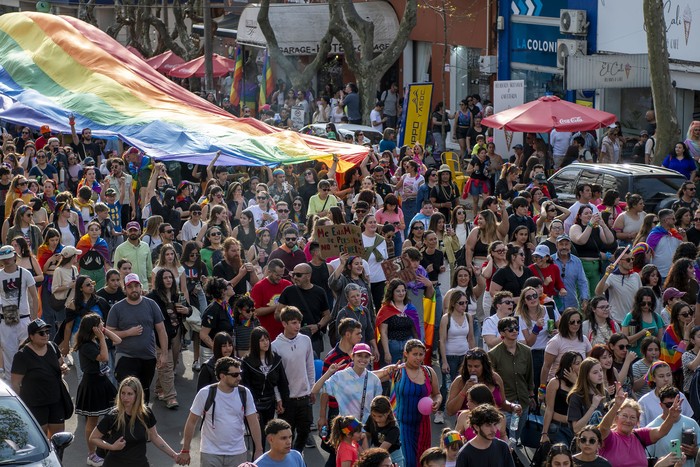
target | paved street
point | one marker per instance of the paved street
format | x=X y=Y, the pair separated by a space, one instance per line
x=171 y=422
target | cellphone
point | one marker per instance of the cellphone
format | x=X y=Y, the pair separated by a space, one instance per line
x=676 y=448
x=474 y=378
x=688 y=436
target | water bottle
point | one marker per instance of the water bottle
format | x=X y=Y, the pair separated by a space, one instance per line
x=448 y=379
x=324 y=432
x=513 y=427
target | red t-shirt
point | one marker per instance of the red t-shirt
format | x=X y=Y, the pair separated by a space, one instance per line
x=552 y=270
x=264 y=294
x=346 y=452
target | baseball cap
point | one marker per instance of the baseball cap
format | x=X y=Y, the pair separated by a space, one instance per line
x=69 y=251
x=131 y=278
x=542 y=251
x=44 y=129
x=518 y=146
x=89 y=161
x=672 y=292
x=361 y=347
x=7 y=252
x=133 y=225
x=541 y=177
x=563 y=237
x=644 y=133
x=36 y=325
x=110 y=192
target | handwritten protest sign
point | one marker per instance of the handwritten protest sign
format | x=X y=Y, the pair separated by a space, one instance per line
x=337 y=239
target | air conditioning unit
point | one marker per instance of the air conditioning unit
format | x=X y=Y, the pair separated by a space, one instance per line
x=488 y=64
x=569 y=47
x=573 y=22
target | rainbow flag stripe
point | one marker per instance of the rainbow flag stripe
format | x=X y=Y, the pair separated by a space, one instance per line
x=52 y=66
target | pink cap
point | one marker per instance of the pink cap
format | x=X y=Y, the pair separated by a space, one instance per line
x=131 y=278
x=361 y=348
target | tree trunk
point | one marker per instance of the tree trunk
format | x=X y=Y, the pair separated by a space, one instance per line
x=661 y=88
x=368 y=84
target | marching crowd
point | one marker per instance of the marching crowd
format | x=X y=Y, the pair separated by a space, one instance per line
x=115 y=264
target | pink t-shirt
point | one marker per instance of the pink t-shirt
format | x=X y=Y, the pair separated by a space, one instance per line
x=388 y=217
x=346 y=452
x=558 y=346
x=626 y=450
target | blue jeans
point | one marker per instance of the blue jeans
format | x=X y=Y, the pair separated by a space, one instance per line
x=521 y=422
x=453 y=361
x=477 y=332
x=560 y=433
x=396 y=350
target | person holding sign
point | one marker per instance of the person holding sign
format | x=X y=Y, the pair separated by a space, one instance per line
x=375 y=253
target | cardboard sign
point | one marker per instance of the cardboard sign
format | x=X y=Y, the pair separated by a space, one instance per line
x=395 y=268
x=337 y=239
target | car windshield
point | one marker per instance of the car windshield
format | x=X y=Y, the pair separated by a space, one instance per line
x=21 y=439
x=657 y=185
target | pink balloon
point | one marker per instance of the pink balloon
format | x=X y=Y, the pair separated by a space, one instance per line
x=425 y=405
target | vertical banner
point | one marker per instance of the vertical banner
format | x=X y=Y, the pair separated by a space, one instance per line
x=506 y=95
x=416 y=114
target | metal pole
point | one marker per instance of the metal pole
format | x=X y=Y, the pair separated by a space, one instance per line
x=208 y=49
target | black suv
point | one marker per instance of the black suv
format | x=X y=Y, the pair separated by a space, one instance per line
x=657 y=185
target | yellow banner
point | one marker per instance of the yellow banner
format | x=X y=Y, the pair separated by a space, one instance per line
x=416 y=114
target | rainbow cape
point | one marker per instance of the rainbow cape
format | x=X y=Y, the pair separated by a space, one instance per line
x=52 y=66
x=100 y=246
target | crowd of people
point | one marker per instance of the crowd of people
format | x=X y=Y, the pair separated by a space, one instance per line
x=117 y=264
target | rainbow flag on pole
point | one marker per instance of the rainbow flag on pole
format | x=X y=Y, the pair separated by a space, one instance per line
x=235 y=97
x=266 y=84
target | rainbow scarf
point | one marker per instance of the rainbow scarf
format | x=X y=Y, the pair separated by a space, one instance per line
x=100 y=246
x=669 y=348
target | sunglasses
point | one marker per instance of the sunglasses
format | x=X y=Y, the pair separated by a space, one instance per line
x=628 y=260
x=169 y=231
x=418 y=227
x=575 y=322
x=510 y=329
x=326 y=189
x=551 y=210
x=606 y=307
x=23 y=183
x=530 y=297
x=462 y=302
x=500 y=250
x=668 y=404
x=290 y=239
x=215 y=234
x=507 y=302
x=624 y=346
x=262 y=198
x=235 y=375
x=42 y=333
x=685 y=314
x=196 y=213
x=283 y=210
x=646 y=303
x=300 y=274
x=584 y=440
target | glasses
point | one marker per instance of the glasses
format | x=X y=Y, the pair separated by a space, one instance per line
x=194 y=255
x=628 y=260
x=521 y=253
x=42 y=333
x=215 y=234
x=574 y=322
x=300 y=274
x=462 y=302
x=308 y=173
x=89 y=284
x=283 y=210
x=551 y=210
x=690 y=189
x=604 y=307
x=510 y=329
x=41 y=156
x=297 y=205
x=500 y=250
x=531 y=296
x=235 y=375
x=417 y=227
x=169 y=231
x=584 y=440
x=360 y=211
x=668 y=404
x=325 y=189
x=507 y=302
x=624 y=346
x=23 y=183
x=290 y=239
x=685 y=314
x=646 y=303
x=25 y=132
x=262 y=198
x=196 y=213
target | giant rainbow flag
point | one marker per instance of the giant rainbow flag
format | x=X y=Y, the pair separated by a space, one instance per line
x=52 y=66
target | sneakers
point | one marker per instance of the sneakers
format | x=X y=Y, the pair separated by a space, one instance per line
x=94 y=460
x=196 y=366
x=310 y=443
x=439 y=417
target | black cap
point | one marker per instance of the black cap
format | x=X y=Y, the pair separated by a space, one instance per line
x=36 y=325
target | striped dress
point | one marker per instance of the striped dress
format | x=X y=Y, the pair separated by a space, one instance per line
x=414 y=427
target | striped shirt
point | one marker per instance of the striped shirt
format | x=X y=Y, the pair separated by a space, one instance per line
x=341 y=358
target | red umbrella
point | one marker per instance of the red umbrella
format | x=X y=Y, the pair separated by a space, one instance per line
x=165 y=61
x=196 y=67
x=135 y=51
x=549 y=113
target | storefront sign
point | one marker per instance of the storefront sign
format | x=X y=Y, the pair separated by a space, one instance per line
x=621 y=28
x=336 y=239
x=535 y=44
x=416 y=114
x=608 y=71
x=506 y=95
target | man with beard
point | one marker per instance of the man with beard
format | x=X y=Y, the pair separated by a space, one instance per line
x=137 y=252
x=118 y=180
x=166 y=232
x=485 y=449
x=136 y=320
x=265 y=295
x=281 y=222
x=289 y=252
x=87 y=147
x=233 y=269
x=311 y=300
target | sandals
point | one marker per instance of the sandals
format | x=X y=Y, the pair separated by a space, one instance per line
x=172 y=404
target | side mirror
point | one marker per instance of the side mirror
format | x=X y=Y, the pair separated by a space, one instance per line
x=61 y=441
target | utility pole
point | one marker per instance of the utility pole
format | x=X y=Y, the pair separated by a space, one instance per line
x=208 y=49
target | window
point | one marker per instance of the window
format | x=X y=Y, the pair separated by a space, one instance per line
x=21 y=440
x=564 y=183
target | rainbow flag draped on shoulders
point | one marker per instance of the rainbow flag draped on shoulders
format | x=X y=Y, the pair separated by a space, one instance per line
x=669 y=352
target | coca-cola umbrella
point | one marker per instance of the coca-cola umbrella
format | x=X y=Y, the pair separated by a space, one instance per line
x=195 y=67
x=134 y=51
x=166 y=61
x=549 y=113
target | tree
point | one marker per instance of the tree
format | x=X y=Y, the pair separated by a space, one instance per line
x=368 y=68
x=300 y=79
x=661 y=88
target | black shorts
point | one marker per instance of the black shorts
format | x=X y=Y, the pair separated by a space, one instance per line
x=461 y=133
x=48 y=414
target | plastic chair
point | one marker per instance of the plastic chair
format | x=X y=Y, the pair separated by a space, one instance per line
x=451 y=160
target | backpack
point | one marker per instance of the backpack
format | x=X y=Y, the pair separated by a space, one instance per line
x=211 y=403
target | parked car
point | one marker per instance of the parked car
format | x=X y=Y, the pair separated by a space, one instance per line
x=657 y=185
x=22 y=441
x=319 y=129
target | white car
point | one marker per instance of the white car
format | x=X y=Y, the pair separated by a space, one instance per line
x=319 y=129
x=22 y=441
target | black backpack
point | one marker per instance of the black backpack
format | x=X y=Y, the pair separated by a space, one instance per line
x=211 y=403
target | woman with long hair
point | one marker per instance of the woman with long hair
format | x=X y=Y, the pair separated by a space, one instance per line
x=168 y=259
x=408 y=186
x=317 y=222
x=681 y=161
x=642 y=320
x=212 y=252
x=415 y=239
x=215 y=197
x=375 y=252
x=476 y=363
x=676 y=339
x=95 y=258
x=235 y=203
x=397 y=321
x=682 y=277
x=599 y=326
x=383 y=432
x=259 y=253
x=587 y=396
x=297 y=213
x=487 y=231
x=218 y=217
x=651 y=349
x=629 y=222
x=10 y=220
x=479 y=172
x=589 y=442
x=217 y=316
x=648 y=223
x=263 y=373
x=23 y=226
x=511 y=278
x=603 y=354
x=534 y=324
x=195 y=277
x=96 y=391
x=622 y=361
x=590 y=235
x=129 y=426
x=65 y=276
x=350 y=270
x=244 y=232
x=223 y=347
x=391 y=213
x=683 y=218
x=19 y=189
x=570 y=337
x=49 y=257
x=165 y=294
x=308 y=187
x=550 y=213
x=555 y=426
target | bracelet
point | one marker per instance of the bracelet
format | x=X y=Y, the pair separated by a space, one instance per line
x=536 y=329
x=184 y=451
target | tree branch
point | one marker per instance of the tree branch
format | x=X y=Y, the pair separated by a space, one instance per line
x=410 y=17
x=340 y=31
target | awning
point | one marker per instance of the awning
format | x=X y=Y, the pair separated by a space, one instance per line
x=299 y=28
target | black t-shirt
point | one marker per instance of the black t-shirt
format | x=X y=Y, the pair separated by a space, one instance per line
x=92 y=261
x=516 y=221
x=87 y=150
x=436 y=259
x=506 y=278
x=598 y=462
x=111 y=298
x=311 y=302
x=217 y=320
x=134 y=453
x=388 y=434
x=480 y=168
x=42 y=375
x=496 y=455
x=225 y=271
x=693 y=235
x=88 y=353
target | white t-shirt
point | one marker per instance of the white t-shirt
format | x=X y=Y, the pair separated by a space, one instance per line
x=226 y=435
x=190 y=231
x=9 y=292
x=490 y=328
x=376 y=273
x=376 y=116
